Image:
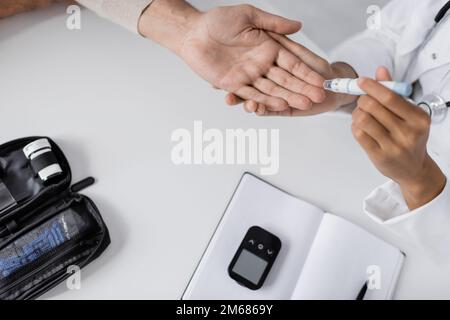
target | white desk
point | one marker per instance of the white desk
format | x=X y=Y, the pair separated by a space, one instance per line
x=112 y=100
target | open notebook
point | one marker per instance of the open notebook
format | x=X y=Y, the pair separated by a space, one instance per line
x=322 y=256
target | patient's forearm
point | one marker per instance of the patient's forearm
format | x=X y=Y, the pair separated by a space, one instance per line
x=11 y=7
x=167 y=22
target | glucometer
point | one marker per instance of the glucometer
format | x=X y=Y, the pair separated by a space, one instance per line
x=254 y=258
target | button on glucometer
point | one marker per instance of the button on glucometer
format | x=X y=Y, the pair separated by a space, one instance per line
x=251 y=241
x=260 y=246
x=270 y=252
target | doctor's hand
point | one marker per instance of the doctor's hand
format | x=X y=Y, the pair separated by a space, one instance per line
x=332 y=100
x=230 y=47
x=394 y=133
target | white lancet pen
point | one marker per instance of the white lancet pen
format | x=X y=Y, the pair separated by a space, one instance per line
x=350 y=86
x=434 y=105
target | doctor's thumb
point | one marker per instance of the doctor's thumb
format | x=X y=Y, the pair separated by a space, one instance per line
x=383 y=74
x=271 y=22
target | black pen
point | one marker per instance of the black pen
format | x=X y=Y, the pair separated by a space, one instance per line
x=362 y=292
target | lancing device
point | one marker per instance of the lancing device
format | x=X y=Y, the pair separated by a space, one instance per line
x=350 y=86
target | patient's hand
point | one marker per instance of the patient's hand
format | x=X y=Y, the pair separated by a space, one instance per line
x=231 y=48
x=11 y=7
x=321 y=66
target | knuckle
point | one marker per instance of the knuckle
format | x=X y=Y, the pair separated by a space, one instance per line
x=298 y=68
x=423 y=121
x=391 y=97
x=355 y=116
x=397 y=151
x=408 y=140
x=290 y=98
x=283 y=81
x=364 y=101
x=371 y=105
x=363 y=119
x=226 y=84
x=414 y=134
x=250 y=106
x=380 y=157
x=410 y=144
x=359 y=102
x=216 y=10
x=323 y=64
x=357 y=133
x=306 y=104
x=271 y=89
x=261 y=110
x=247 y=7
x=278 y=104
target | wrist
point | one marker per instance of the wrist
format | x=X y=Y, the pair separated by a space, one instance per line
x=425 y=187
x=167 y=22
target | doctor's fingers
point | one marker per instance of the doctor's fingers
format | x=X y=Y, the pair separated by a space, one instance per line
x=367 y=142
x=369 y=125
x=386 y=97
x=387 y=118
x=314 y=61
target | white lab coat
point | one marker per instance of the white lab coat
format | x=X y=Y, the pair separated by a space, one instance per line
x=403 y=44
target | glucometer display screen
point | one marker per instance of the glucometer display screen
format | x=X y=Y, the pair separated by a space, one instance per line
x=250 y=266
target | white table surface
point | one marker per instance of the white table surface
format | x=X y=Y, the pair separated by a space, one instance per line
x=112 y=99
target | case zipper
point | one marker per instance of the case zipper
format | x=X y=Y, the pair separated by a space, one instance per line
x=83 y=184
x=9 y=228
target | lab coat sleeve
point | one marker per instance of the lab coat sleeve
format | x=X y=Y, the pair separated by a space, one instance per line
x=125 y=13
x=376 y=46
x=428 y=226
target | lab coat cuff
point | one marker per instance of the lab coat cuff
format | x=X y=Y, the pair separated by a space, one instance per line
x=426 y=227
x=125 y=13
x=386 y=204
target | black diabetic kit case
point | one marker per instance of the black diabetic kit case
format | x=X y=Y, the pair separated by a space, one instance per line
x=45 y=226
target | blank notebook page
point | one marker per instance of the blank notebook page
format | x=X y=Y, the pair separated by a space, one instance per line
x=337 y=264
